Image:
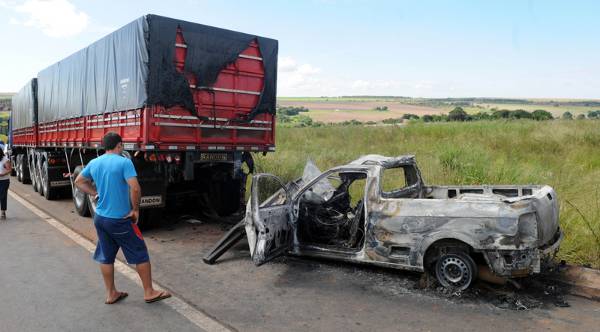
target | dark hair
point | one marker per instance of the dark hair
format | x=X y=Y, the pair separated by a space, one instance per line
x=1 y=154
x=110 y=140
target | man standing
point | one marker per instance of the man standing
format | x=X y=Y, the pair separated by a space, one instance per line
x=118 y=193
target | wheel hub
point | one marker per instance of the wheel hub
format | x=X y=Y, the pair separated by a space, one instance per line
x=455 y=271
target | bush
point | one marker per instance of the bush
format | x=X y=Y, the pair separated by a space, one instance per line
x=427 y=118
x=520 y=114
x=392 y=121
x=567 y=115
x=290 y=110
x=541 y=115
x=458 y=114
x=480 y=116
x=593 y=115
x=440 y=118
x=351 y=123
x=501 y=114
x=409 y=116
x=581 y=117
x=381 y=108
x=302 y=121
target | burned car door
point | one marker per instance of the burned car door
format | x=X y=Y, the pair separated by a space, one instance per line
x=392 y=230
x=268 y=218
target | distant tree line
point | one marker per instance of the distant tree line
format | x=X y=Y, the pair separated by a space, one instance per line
x=459 y=114
x=292 y=117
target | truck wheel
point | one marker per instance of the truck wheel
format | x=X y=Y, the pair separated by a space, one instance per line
x=17 y=166
x=456 y=270
x=91 y=205
x=150 y=218
x=33 y=177
x=38 y=182
x=47 y=190
x=14 y=169
x=80 y=199
x=24 y=170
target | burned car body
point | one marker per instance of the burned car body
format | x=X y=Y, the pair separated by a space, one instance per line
x=377 y=210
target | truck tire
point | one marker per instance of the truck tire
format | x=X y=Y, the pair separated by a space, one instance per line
x=80 y=199
x=33 y=177
x=24 y=170
x=91 y=205
x=48 y=192
x=456 y=270
x=14 y=170
x=150 y=218
x=17 y=166
x=38 y=181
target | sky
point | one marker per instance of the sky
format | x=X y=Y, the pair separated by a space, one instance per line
x=509 y=49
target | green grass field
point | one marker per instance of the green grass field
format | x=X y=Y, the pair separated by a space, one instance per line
x=562 y=154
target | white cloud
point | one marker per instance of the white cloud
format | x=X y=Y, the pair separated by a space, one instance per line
x=294 y=78
x=287 y=64
x=303 y=79
x=55 y=18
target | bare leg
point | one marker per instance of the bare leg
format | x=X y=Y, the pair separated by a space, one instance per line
x=108 y=274
x=145 y=272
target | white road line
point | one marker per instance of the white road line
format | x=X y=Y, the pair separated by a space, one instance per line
x=195 y=316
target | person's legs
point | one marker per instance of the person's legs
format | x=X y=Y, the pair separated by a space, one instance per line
x=134 y=248
x=3 y=197
x=106 y=251
x=145 y=272
x=108 y=274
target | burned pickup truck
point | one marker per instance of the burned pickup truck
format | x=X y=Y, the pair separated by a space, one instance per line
x=377 y=210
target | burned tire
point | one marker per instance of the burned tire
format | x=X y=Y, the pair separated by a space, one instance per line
x=456 y=270
x=80 y=199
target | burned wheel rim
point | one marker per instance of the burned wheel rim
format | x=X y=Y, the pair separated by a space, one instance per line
x=455 y=271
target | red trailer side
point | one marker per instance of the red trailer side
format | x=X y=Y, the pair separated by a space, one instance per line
x=216 y=126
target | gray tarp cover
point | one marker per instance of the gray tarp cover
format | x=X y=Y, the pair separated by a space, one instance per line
x=133 y=67
x=24 y=106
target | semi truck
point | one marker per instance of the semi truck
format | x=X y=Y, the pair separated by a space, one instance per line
x=191 y=102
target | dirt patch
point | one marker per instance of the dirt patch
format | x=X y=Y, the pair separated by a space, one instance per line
x=334 y=111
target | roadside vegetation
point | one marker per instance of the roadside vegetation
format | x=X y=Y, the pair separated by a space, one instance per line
x=291 y=116
x=5 y=107
x=560 y=153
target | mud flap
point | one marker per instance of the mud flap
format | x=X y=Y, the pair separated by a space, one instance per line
x=233 y=236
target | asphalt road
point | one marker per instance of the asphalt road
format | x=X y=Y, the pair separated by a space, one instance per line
x=299 y=294
x=49 y=283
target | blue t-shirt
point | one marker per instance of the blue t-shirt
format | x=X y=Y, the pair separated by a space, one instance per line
x=110 y=173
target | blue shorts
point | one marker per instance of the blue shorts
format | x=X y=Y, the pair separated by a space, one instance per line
x=119 y=233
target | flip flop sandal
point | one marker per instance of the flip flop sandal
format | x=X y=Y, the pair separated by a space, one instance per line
x=163 y=295
x=121 y=296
